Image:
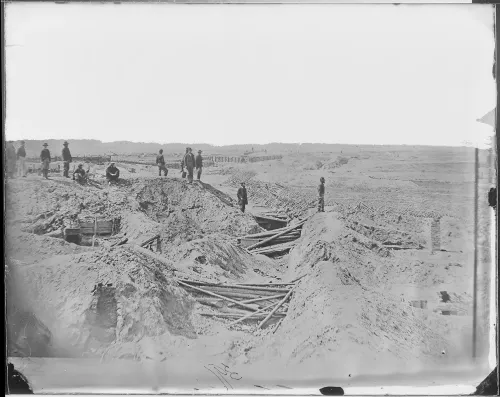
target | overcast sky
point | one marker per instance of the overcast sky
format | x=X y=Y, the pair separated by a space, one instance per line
x=226 y=74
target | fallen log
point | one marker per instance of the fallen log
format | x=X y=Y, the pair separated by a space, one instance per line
x=266 y=298
x=235 y=295
x=217 y=304
x=275 y=309
x=256 y=317
x=149 y=241
x=218 y=296
x=121 y=242
x=266 y=284
x=275 y=236
x=277 y=325
x=253 y=314
x=267 y=234
x=274 y=248
x=238 y=286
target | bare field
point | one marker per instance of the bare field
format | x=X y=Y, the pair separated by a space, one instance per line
x=385 y=273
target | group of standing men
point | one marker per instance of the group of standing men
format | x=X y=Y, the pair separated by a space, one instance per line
x=190 y=163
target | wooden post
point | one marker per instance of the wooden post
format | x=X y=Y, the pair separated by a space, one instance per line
x=95 y=230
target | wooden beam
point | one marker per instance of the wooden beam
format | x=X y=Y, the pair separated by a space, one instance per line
x=275 y=308
x=253 y=314
x=238 y=286
x=288 y=229
x=218 y=296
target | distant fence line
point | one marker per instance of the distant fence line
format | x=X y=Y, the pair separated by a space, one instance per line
x=77 y=159
x=243 y=159
x=208 y=161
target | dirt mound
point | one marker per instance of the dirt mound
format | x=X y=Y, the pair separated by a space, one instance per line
x=27 y=335
x=41 y=207
x=215 y=258
x=333 y=320
x=325 y=237
x=187 y=211
x=31 y=248
x=119 y=302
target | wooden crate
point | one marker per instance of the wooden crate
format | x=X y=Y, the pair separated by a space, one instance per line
x=103 y=227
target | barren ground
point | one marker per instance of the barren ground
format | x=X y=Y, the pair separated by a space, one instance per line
x=353 y=316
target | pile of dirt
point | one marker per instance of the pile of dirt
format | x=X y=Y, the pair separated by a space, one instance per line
x=171 y=207
x=325 y=237
x=31 y=248
x=388 y=236
x=27 y=336
x=216 y=258
x=333 y=319
x=187 y=212
x=41 y=207
x=119 y=302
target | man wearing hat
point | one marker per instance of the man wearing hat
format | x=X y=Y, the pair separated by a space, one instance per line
x=321 y=195
x=45 y=158
x=79 y=174
x=160 y=162
x=112 y=173
x=199 y=165
x=182 y=163
x=21 y=158
x=66 y=156
x=189 y=164
x=242 y=197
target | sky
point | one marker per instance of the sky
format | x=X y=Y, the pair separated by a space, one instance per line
x=235 y=74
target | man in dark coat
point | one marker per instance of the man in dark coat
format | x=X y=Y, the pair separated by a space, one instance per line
x=242 y=197
x=321 y=195
x=160 y=162
x=112 y=173
x=182 y=161
x=80 y=175
x=45 y=158
x=10 y=157
x=189 y=164
x=67 y=159
x=21 y=158
x=199 y=165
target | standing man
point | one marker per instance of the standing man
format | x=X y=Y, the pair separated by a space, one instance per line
x=321 y=195
x=45 y=158
x=189 y=164
x=199 y=165
x=160 y=162
x=66 y=156
x=182 y=163
x=242 y=197
x=11 y=159
x=21 y=157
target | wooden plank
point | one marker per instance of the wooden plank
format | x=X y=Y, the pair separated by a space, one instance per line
x=240 y=287
x=95 y=231
x=255 y=317
x=265 y=298
x=275 y=309
x=105 y=224
x=218 y=296
x=276 y=235
x=253 y=314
